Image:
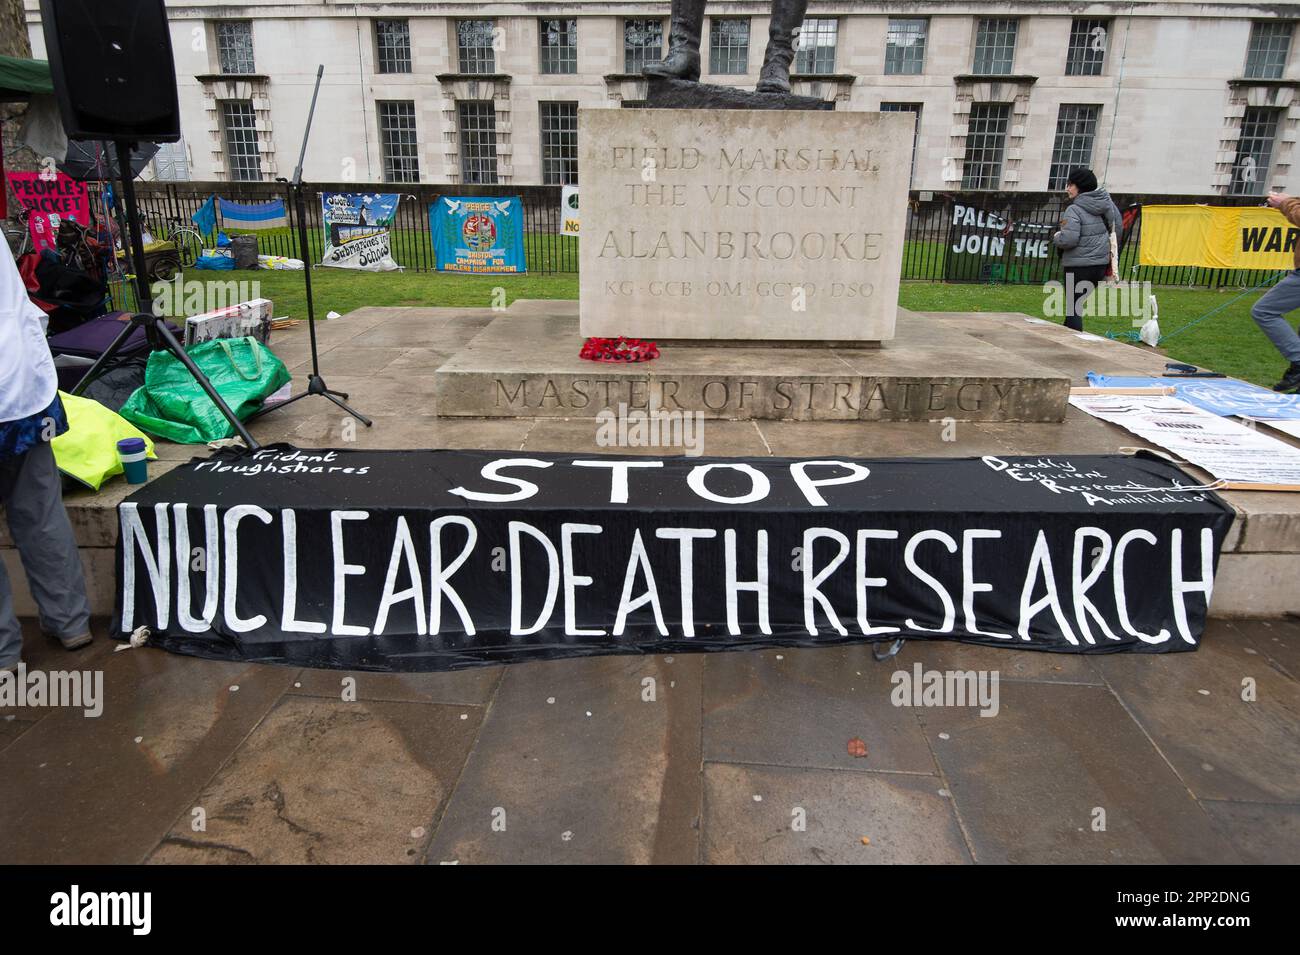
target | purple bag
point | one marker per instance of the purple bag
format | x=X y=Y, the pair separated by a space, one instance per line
x=91 y=339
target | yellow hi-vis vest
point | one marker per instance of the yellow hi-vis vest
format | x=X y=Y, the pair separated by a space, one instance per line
x=87 y=451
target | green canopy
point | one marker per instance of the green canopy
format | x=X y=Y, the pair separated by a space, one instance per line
x=21 y=78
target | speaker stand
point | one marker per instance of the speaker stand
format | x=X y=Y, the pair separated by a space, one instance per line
x=156 y=332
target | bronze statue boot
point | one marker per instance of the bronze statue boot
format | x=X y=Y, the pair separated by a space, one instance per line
x=787 y=16
x=775 y=75
x=679 y=64
x=683 y=59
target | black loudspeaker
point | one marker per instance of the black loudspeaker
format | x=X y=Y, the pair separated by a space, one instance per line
x=111 y=62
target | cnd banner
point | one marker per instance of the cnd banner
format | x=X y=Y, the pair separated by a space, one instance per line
x=431 y=560
x=478 y=235
x=569 y=210
x=357 y=230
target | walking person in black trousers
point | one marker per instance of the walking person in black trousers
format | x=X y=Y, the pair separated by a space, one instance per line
x=1084 y=241
x=1271 y=309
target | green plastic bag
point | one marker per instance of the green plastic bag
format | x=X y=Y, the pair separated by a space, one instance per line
x=170 y=404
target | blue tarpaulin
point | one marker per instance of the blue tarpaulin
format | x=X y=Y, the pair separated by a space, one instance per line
x=1221 y=396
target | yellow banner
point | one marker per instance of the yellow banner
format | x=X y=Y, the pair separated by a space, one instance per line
x=1217 y=237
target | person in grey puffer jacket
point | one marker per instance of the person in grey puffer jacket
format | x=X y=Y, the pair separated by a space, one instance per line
x=1084 y=241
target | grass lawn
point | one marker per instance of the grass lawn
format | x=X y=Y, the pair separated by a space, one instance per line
x=1228 y=342
x=342 y=290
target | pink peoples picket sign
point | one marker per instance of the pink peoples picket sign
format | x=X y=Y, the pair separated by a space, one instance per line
x=48 y=199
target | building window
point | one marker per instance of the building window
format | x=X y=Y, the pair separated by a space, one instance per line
x=392 y=46
x=1270 y=42
x=171 y=163
x=235 y=46
x=905 y=47
x=478 y=141
x=643 y=43
x=815 y=46
x=558 y=46
x=995 y=46
x=1087 y=51
x=398 y=141
x=729 y=46
x=243 y=159
x=1255 y=150
x=916 y=134
x=1076 y=130
x=474 y=46
x=559 y=123
x=986 y=142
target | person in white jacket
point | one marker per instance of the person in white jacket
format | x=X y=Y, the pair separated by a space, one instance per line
x=31 y=416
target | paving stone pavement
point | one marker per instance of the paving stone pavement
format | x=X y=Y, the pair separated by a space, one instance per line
x=734 y=757
x=726 y=757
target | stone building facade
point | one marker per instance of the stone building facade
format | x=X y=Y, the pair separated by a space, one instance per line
x=1158 y=97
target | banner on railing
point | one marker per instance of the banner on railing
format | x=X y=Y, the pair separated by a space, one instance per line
x=984 y=246
x=483 y=235
x=252 y=216
x=356 y=230
x=48 y=199
x=1217 y=237
x=569 y=210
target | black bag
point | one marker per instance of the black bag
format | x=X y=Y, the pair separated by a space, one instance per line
x=243 y=249
x=69 y=285
x=113 y=387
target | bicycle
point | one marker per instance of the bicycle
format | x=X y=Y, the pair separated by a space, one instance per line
x=22 y=235
x=78 y=249
x=70 y=242
x=186 y=238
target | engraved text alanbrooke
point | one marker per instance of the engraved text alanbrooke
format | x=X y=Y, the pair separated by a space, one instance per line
x=748 y=244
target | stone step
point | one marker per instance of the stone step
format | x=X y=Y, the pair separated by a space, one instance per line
x=527 y=365
x=1257 y=571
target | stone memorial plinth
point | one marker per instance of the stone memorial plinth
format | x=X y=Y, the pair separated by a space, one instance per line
x=662 y=93
x=525 y=364
x=742 y=225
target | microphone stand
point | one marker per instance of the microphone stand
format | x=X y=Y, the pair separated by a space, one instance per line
x=315 y=383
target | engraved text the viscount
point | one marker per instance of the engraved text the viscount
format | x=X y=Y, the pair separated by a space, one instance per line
x=739 y=244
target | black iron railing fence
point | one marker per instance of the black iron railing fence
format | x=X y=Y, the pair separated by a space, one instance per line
x=934 y=228
x=412 y=244
x=938 y=223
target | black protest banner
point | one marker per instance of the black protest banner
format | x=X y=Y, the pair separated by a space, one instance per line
x=984 y=246
x=426 y=560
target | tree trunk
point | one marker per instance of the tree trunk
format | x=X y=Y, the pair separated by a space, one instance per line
x=14 y=41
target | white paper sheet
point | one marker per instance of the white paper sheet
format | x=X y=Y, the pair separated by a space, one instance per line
x=1223 y=447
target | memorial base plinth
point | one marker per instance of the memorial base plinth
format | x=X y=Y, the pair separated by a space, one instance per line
x=525 y=364
x=682 y=94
